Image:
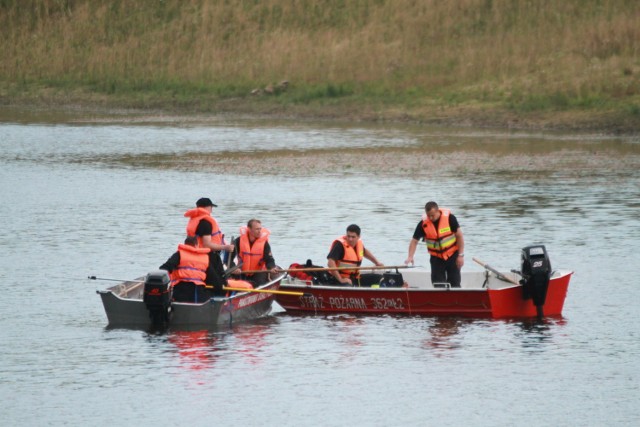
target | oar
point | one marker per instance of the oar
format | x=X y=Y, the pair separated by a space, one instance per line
x=266 y=291
x=374 y=267
x=230 y=256
x=114 y=280
x=230 y=270
x=496 y=272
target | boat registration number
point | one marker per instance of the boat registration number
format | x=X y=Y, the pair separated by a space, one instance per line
x=352 y=303
x=387 y=303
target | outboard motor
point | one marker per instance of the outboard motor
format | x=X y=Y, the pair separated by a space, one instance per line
x=157 y=297
x=536 y=272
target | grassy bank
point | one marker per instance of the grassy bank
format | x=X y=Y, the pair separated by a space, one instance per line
x=521 y=63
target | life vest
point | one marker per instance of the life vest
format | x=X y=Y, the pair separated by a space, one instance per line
x=195 y=216
x=193 y=265
x=441 y=243
x=252 y=255
x=239 y=284
x=352 y=257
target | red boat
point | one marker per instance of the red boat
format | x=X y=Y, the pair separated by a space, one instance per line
x=488 y=294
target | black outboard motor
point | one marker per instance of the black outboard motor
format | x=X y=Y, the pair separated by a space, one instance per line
x=157 y=297
x=536 y=272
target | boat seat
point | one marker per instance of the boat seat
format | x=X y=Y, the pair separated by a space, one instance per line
x=446 y=285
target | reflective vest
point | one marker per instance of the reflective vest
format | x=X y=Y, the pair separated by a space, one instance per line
x=193 y=265
x=352 y=257
x=441 y=243
x=195 y=216
x=252 y=255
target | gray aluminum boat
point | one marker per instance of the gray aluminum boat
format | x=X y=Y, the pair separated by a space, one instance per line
x=127 y=305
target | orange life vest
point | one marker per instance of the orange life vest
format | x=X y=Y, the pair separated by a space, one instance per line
x=252 y=255
x=193 y=265
x=441 y=243
x=239 y=284
x=195 y=216
x=352 y=257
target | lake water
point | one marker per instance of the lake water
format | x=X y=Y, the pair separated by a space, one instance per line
x=67 y=213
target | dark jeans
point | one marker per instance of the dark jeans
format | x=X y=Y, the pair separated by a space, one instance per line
x=190 y=292
x=445 y=271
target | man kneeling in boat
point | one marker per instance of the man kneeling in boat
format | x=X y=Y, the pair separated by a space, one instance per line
x=348 y=251
x=254 y=253
x=196 y=273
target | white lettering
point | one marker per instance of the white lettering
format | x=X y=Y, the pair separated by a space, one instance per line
x=311 y=301
x=347 y=303
x=387 y=303
x=252 y=299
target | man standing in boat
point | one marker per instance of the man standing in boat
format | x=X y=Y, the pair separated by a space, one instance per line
x=348 y=251
x=254 y=253
x=196 y=273
x=439 y=228
x=204 y=226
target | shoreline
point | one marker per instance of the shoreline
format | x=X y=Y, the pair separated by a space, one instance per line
x=462 y=116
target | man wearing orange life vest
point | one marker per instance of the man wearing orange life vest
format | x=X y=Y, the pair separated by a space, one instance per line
x=346 y=251
x=202 y=225
x=439 y=228
x=254 y=252
x=194 y=271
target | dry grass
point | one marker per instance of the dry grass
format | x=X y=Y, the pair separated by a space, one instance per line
x=519 y=54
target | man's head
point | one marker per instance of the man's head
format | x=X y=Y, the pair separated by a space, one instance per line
x=433 y=213
x=191 y=241
x=206 y=203
x=353 y=235
x=254 y=228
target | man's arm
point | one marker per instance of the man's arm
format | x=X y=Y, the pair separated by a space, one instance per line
x=418 y=234
x=412 y=251
x=207 y=243
x=336 y=253
x=269 y=261
x=460 y=243
x=368 y=255
x=172 y=263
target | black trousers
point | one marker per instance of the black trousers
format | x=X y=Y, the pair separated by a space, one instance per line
x=190 y=292
x=445 y=271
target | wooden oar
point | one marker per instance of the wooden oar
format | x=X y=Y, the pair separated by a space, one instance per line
x=496 y=272
x=373 y=267
x=266 y=291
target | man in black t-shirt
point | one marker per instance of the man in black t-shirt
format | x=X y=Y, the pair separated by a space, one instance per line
x=338 y=256
x=442 y=233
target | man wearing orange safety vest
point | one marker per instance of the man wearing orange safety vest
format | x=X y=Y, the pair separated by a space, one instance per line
x=348 y=251
x=202 y=225
x=439 y=228
x=254 y=253
x=196 y=273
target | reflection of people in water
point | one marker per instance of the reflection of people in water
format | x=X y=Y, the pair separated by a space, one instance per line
x=196 y=349
x=251 y=340
x=442 y=332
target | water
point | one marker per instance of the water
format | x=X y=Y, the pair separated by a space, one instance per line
x=67 y=214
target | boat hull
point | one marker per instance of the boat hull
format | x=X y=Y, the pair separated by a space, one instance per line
x=125 y=308
x=493 y=301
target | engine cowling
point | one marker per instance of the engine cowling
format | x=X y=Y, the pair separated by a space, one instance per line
x=157 y=297
x=536 y=273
